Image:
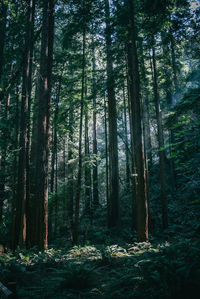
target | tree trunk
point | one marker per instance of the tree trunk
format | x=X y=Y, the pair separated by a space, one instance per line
x=139 y=174
x=173 y=57
x=56 y=192
x=160 y=144
x=133 y=181
x=106 y=154
x=44 y=94
x=3 y=15
x=95 y=166
x=78 y=191
x=113 y=203
x=70 y=176
x=146 y=118
x=31 y=209
x=126 y=143
x=3 y=157
x=87 y=169
x=23 y=167
x=16 y=121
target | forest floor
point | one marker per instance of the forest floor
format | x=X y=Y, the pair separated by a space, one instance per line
x=168 y=266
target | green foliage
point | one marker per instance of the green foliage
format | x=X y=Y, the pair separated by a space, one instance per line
x=137 y=270
x=79 y=277
x=185 y=125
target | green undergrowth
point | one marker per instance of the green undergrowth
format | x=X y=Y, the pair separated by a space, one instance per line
x=131 y=270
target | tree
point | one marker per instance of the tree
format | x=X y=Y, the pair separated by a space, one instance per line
x=22 y=201
x=136 y=128
x=160 y=144
x=95 y=167
x=40 y=234
x=3 y=17
x=78 y=190
x=113 y=203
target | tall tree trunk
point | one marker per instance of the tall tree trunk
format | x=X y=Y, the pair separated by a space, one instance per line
x=65 y=174
x=106 y=154
x=78 y=191
x=44 y=94
x=174 y=67
x=15 y=146
x=95 y=166
x=171 y=132
x=160 y=144
x=133 y=181
x=31 y=209
x=3 y=158
x=139 y=174
x=70 y=175
x=146 y=118
x=87 y=168
x=3 y=15
x=23 y=179
x=56 y=192
x=113 y=203
x=54 y=135
x=126 y=142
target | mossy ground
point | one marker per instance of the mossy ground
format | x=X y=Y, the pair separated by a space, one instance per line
x=139 y=270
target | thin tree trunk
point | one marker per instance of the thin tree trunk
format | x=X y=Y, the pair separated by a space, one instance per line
x=106 y=153
x=87 y=168
x=113 y=203
x=31 y=209
x=54 y=175
x=12 y=245
x=3 y=15
x=3 y=158
x=95 y=166
x=146 y=118
x=174 y=67
x=56 y=192
x=78 y=191
x=161 y=145
x=171 y=132
x=133 y=181
x=126 y=142
x=23 y=179
x=70 y=176
x=139 y=174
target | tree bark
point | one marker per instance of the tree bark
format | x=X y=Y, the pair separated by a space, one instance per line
x=173 y=57
x=113 y=203
x=139 y=174
x=87 y=169
x=23 y=167
x=70 y=177
x=160 y=144
x=44 y=94
x=3 y=16
x=78 y=191
x=126 y=142
x=95 y=167
x=106 y=154
x=3 y=158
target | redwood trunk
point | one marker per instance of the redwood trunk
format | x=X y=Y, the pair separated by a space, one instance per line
x=23 y=167
x=139 y=174
x=113 y=203
x=44 y=94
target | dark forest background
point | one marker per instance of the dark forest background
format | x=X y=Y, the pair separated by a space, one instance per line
x=99 y=149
